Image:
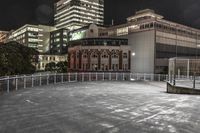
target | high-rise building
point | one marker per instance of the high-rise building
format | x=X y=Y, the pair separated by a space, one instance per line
x=59 y=39
x=3 y=36
x=154 y=40
x=34 y=36
x=74 y=14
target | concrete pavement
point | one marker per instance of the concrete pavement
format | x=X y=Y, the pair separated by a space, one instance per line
x=99 y=107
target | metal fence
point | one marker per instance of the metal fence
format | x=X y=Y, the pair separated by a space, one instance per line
x=192 y=82
x=184 y=72
x=12 y=83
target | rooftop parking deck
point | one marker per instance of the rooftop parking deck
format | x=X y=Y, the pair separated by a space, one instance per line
x=99 y=107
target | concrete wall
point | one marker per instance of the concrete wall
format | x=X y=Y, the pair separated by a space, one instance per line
x=143 y=45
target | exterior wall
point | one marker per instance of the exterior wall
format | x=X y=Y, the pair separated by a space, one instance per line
x=44 y=38
x=166 y=45
x=143 y=45
x=99 y=58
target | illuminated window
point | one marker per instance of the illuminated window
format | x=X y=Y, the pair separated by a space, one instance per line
x=122 y=31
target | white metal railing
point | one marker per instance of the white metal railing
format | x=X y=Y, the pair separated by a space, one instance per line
x=11 y=83
x=187 y=81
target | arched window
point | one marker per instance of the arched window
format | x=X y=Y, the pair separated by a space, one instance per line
x=115 y=55
x=104 y=55
x=72 y=55
x=94 y=55
x=84 y=55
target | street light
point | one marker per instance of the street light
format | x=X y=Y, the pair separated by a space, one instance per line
x=133 y=54
x=132 y=79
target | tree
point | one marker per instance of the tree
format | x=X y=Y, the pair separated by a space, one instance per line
x=61 y=67
x=17 y=59
x=50 y=67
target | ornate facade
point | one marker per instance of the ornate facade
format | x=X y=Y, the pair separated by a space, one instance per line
x=111 y=55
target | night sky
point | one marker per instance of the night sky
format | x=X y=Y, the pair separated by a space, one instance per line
x=15 y=13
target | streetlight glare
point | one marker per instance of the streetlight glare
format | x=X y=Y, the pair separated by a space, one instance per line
x=133 y=54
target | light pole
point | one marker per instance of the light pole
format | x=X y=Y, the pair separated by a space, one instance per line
x=133 y=55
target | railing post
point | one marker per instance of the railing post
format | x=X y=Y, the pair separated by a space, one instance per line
x=151 y=77
x=116 y=76
x=8 y=84
x=76 y=77
x=82 y=75
x=130 y=76
x=62 y=78
x=69 y=77
x=103 y=76
x=47 y=79
x=194 y=82
x=110 y=76
x=90 y=76
x=40 y=79
x=159 y=77
x=55 y=78
x=123 y=77
x=32 y=80
x=144 y=77
x=24 y=81
x=16 y=83
x=96 y=77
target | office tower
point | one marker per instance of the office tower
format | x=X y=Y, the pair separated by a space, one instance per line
x=34 y=36
x=74 y=14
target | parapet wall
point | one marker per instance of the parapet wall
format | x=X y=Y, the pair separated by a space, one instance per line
x=181 y=90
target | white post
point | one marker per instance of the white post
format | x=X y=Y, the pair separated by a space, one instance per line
x=144 y=77
x=179 y=73
x=62 y=78
x=151 y=77
x=32 y=80
x=82 y=77
x=123 y=77
x=76 y=76
x=8 y=84
x=110 y=77
x=24 y=81
x=103 y=76
x=16 y=84
x=40 y=79
x=89 y=76
x=55 y=78
x=159 y=78
x=188 y=69
x=47 y=79
x=116 y=76
x=69 y=77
